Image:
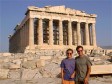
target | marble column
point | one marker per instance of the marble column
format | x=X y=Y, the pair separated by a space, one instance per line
x=69 y=33
x=22 y=38
x=93 y=34
x=75 y=37
x=27 y=30
x=87 y=34
x=60 y=33
x=78 y=34
x=50 y=32
x=40 y=32
x=23 y=35
x=31 y=33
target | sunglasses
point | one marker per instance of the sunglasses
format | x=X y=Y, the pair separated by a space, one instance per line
x=69 y=53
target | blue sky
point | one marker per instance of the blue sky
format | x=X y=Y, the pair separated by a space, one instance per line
x=13 y=11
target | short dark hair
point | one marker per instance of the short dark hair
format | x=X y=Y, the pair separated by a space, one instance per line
x=79 y=47
x=69 y=50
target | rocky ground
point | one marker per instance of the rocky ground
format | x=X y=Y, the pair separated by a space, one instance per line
x=93 y=80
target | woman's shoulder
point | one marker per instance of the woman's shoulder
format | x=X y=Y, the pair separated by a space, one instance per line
x=76 y=57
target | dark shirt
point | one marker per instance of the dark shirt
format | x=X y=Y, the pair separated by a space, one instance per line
x=68 y=66
x=81 y=67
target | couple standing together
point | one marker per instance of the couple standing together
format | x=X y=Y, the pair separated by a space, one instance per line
x=75 y=71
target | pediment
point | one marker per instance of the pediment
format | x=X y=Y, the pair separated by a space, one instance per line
x=61 y=9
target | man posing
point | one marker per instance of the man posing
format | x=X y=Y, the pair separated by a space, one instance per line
x=83 y=67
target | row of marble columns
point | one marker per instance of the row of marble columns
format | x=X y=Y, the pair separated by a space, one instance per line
x=40 y=33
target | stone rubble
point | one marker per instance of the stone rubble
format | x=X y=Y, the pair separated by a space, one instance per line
x=33 y=68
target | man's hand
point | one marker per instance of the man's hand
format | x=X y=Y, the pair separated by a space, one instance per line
x=86 y=80
x=73 y=75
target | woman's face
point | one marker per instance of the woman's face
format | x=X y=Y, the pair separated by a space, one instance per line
x=69 y=54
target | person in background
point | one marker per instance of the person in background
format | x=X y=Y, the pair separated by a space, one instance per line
x=83 y=67
x=67 y=68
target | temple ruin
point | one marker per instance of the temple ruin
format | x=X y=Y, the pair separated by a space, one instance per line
x=53 y=27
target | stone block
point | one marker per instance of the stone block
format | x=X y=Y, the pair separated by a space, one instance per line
x=5 y=65
x=6 y=60
x=17 y=61
x=91 y=58
x=1 y=60
x=97 y=59
x=6 y=54
x=24 y=59
x=52 y=70
x=101 y=69
x=4 y=73
x=14 y=74
x=30 y=58
x=45 y=57
x=31 y=74
x=29 y=65
x=40 y=63
x=14 y=66
x=62 y=57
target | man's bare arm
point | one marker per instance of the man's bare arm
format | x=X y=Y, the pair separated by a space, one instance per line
x=88 y=71
x=62 y=75
x=87 y=75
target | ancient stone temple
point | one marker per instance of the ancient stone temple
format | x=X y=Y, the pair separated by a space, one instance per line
x=53 y=27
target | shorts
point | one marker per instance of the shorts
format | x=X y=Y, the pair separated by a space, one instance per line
x=68 y=82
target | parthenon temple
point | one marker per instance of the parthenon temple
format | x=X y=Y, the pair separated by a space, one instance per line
x=53 y=27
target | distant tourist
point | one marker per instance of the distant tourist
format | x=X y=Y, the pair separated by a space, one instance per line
x=67 y=68
x=83 y=67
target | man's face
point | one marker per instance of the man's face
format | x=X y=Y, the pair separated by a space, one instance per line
x=80 y=51
x=69 y=54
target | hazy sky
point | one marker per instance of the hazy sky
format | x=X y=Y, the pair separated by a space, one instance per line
x=12 y=12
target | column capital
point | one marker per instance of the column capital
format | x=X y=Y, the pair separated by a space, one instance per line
x=70 y=20
x=78 y=22
x=60 y=20
x=86 y=22
x=40 y=18
x=50 y=19
x=93 y=24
